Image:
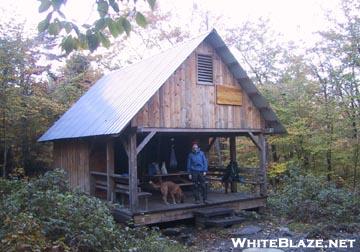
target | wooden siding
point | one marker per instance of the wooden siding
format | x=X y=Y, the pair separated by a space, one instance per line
x=183 y=103
x=73 y=157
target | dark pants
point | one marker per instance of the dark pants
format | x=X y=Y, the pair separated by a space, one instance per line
x=199 y=181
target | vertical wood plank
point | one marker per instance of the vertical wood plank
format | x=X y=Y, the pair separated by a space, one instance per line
x=170 y=100
x=87 y=168
x=161 y=107
x=188 y=93
x=183 y=115
x=195 y=110
x=146 y=115
x=80 y=168
x=182 y=103
x=110 y=168
x=70 y=153
x=156 y=110
x=167 y=102
x=133 y=186
x=233 y=158
x=230 y=117
x=177 y=99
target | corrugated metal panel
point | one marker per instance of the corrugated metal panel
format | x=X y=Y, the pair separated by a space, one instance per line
x=108 y=106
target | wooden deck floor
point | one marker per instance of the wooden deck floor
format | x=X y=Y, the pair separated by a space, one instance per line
x=159 y=212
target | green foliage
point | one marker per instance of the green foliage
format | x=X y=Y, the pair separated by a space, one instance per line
x=78 y=76
x=314 y=93
x=77 y=64
x=140 y=20
x=277 y=170
x=44 y=213
x=311 y=198
x=112 y=19
x=29 y=101
x=25 y=107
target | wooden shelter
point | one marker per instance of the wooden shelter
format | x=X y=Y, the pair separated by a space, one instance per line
x=196 y=91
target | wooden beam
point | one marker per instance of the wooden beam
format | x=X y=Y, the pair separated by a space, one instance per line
x=133 y=183
x=263 y=165
x=199 y=130
x=110 y=160
x=233 y=158
x=100 y=174
x=211 y=144
x=254 y=140
x=125 y=145
x=269 y=131
x=145 y=141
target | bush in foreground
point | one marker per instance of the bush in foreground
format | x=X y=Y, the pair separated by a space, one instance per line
x=308 y=198
x=44 y=214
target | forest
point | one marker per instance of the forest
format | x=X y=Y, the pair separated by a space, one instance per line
x=313 y=87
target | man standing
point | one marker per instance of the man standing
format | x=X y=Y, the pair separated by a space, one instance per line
x=197 y=166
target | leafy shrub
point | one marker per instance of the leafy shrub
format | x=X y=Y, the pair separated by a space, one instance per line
x=43 y=213
x=276 y=170
x=308 y=197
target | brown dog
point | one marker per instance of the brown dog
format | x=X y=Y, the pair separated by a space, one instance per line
x=169 y=187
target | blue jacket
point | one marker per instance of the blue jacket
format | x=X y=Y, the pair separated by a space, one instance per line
x=197 y=162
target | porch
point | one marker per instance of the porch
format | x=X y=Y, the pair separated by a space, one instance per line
x=158 y=212
x=141 y=203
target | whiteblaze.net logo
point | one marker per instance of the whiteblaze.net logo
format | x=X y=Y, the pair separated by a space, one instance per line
x=288 y=243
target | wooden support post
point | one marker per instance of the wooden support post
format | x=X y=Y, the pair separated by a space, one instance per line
x=145 y=141
x=263 y=165
x=254 y=140
x=218 y=151
x=110 y=168
x=233 y=158
x=210 y=144
x=92 y=185
x=125 y=145
x=133 y=183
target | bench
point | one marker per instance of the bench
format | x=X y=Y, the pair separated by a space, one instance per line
x=125 y=194
x=121 y=186
x=250 y=175
x=179 y=184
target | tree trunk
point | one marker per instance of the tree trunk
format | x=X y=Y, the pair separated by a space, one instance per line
x=274 y=154
x=328 y=164
x=356 y=163
x=5 y=147
x=218 y=151
x=5 y=162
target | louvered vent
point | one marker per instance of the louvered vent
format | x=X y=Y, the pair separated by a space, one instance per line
x=204 y=69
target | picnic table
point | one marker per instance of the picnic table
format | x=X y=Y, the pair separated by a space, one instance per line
x=180 y=178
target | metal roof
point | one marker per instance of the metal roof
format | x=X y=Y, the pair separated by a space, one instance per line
x=109 y=105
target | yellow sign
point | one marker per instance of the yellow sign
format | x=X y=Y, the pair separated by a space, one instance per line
x=228 y=95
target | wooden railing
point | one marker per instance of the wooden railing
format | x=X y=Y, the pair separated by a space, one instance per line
x=120 y=184
x=251 y=175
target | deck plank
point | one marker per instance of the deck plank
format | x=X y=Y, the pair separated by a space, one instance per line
x=158 y=212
